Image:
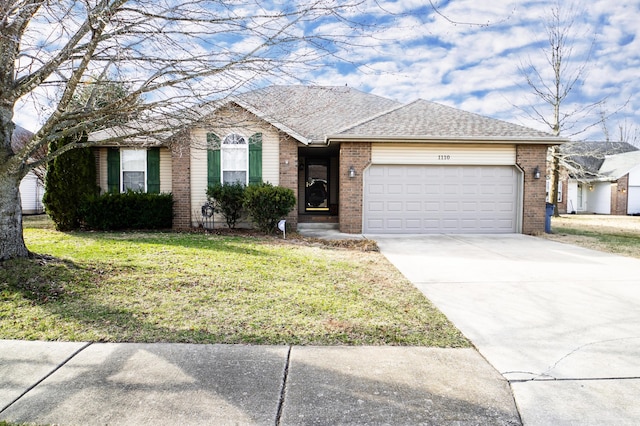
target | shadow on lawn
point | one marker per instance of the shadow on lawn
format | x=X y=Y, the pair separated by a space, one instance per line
x=232 y=244
x=66 y=290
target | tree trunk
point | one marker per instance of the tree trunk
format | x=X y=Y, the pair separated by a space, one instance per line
x=555 y=180
x=11 y=240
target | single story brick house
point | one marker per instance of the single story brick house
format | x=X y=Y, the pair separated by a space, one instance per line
x=364 y=162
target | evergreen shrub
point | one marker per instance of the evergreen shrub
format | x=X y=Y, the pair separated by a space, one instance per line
x=129 y=210
x=267 y=204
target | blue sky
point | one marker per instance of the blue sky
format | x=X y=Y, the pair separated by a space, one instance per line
x=467 y=54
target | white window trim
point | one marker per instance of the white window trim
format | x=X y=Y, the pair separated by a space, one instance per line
x=226 y=146
x=122 y=170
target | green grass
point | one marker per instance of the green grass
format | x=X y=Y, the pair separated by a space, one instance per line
x=201 y=288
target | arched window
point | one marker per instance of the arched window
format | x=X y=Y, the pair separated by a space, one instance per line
x=235 y=159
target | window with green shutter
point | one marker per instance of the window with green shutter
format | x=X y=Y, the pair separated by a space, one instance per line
x=153 y=170
x=126 y=170
x=233 y=159
x=255 y=158
x=213 y=159
x=113 y=170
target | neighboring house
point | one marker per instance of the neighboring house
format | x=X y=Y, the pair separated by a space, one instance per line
x=31 y=193
x=596 y=176
x=32 y=185
x=366 y=163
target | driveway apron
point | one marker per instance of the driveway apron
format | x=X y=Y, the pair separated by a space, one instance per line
x=559 y=322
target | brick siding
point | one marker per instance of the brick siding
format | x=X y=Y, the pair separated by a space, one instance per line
x=528 y=157
x=181 y=187
x=620 y=196
x=357 y=155
x=289 y=173
x=564 y=187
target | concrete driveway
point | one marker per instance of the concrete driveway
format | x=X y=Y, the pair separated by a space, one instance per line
x=559 y=322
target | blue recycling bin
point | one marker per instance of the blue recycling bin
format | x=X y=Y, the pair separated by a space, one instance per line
x=547 y=218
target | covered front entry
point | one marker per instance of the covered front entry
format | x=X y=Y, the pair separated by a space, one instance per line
x=318 y=185
x=422 y=199
x=317 y=179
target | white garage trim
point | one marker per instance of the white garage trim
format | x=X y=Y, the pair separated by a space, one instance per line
x=417 y=199
x=443 y=154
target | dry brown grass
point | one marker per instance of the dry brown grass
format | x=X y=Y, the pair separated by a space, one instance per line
x=612 y=234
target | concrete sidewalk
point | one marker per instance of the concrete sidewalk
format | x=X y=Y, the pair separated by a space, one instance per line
x=181 y=384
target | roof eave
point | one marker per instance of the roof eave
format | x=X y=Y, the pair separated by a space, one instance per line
x=452 y=139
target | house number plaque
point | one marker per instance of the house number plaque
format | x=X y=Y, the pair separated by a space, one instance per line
x=444 y=157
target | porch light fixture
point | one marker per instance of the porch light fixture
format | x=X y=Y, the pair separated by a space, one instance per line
x=536 y=173
x=590 y=187
x=352 y=172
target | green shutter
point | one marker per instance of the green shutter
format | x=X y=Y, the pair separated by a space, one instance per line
x=255 y=158
x=213 y=159
x=113 y=170
x=153 y=170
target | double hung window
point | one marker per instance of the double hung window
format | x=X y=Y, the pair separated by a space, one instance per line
x=134 y=169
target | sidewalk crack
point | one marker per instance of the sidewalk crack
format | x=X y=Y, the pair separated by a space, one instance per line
x=46 y=376
x=283 y=388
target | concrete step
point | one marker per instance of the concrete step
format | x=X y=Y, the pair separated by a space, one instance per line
x=318 y=226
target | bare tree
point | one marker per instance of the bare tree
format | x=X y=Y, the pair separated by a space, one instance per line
x=553 y=83
x=629 y=133
x=171 y=54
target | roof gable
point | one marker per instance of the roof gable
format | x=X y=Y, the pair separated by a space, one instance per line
x=19 y=138
x=313 y=112
x=618 y=165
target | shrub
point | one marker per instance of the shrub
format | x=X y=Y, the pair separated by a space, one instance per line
x=130 y=210
x=227 y=199
x=70 y=178
x=267 y=204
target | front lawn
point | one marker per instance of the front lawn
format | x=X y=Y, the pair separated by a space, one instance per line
x=612 y=234
x=202 y=288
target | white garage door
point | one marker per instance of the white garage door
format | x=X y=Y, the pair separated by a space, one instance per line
x=440 y=199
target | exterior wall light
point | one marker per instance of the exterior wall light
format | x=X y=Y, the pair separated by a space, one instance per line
x=536 y=173
x=352 y=172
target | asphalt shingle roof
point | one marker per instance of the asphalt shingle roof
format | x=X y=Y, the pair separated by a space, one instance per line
x=314 y=111
x=585 y=158
x=432 y=120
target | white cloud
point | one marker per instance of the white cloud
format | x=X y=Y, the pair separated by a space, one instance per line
x=468 y=54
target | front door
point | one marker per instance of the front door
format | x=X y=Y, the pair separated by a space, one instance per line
x=580 y=197
x=317 y=185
